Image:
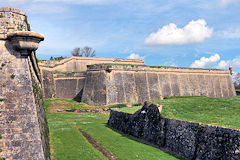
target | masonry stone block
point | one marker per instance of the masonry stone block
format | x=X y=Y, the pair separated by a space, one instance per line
x=66 y=88
x=129 y=87
x=141 y=86
x=164 y=80
x=154 y=89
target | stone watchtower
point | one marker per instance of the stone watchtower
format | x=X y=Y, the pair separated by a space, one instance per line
x=23 y=126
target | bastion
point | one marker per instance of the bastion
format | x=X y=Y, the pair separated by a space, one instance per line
x=111 y=83
x=66 y=78
x=23 y=125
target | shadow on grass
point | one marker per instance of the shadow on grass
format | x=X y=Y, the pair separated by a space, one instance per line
x=143 y=141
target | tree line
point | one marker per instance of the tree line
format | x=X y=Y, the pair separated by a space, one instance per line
x=79 y=52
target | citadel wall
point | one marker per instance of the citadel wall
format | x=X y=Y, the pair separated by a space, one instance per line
x=23 y=125
x=109 y=84
x=66 y=78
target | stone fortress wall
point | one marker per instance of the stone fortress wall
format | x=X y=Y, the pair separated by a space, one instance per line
x=110 y=84
x=66 y=78
x=23 y=125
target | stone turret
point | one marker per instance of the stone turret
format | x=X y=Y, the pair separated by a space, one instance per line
x=23 y=125
x=12 y=20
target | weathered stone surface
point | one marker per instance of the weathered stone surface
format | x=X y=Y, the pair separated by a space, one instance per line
x=48 y=84
x=23 y=125
x=126 y=83
x=218 y=143
x=66 y=88
x=12 y=20
x=181 y=137
x=144 y=124
x=189 y=140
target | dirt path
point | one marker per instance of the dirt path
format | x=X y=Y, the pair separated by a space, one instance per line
x=96 y=145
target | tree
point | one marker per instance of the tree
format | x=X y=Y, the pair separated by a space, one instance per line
x=236 y=80
x=88 y=52
x=76 y=52
x=85 y=51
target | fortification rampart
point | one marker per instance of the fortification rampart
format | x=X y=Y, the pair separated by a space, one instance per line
x=193 y=141
x=23 y=125
x=66 y=78
x=79 y=64
x=109 y=84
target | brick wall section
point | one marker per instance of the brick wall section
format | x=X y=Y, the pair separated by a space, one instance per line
x=193 y=141
x=130 y=83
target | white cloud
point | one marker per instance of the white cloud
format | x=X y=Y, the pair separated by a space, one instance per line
x=205 y=62
x=135 y=56
x=223 y=64
x=193 y=32
x=224 y=3
x=214 y=62
x=235 y=62
x=232 y=33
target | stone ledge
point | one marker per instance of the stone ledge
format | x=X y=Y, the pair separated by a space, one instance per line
x=13 y=10
x=25 y=34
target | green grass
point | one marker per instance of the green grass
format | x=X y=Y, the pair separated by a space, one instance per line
x=216 y=111
x=129 y=110
x=78 y=105
x=69 y=144
x=66 y=141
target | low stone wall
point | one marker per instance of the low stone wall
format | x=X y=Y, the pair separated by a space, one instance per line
x=110 y=84
x=186 y=139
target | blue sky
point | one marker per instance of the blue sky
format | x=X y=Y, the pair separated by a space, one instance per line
x=185 y=33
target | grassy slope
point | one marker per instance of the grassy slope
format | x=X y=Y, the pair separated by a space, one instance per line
x=217 y=111
x=69 y=144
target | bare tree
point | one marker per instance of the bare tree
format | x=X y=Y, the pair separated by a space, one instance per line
x=77 y=52
x=236 y=80
x=85 y=51
x=88 y=52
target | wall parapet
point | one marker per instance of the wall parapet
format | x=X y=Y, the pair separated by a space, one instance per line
x=12 y=10
x=132 y=67
x=186 y=139
x=88 y=60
